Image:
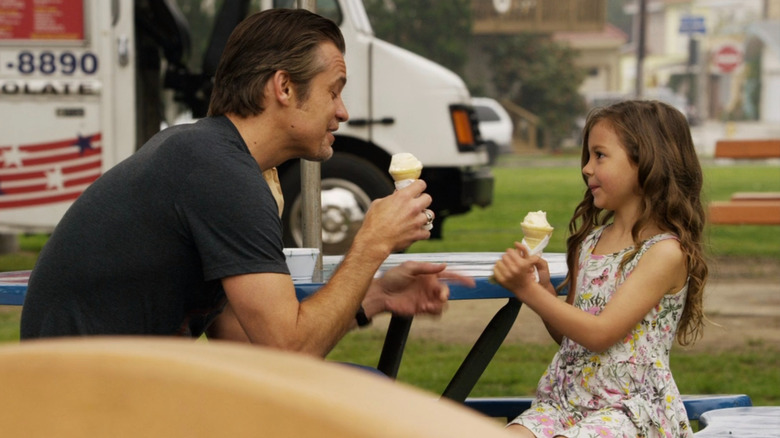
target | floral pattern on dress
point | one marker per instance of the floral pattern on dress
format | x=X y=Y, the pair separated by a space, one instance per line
x=626 y=391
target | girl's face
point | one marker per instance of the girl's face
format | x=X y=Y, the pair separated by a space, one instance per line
x=612 y=177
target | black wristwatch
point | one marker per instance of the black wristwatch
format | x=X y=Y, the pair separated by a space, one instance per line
x=361 y=318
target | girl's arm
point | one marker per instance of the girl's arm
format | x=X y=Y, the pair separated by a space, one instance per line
x=661 y=270
x=544 y=274
x=544 y=280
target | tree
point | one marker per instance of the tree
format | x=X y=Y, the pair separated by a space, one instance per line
x=200 y=18
x=529 y=69
x=540 y=75
x=435 y=29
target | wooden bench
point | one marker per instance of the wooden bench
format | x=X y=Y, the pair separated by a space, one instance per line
x=747 y=208
x=695 y=405
x=748 y=149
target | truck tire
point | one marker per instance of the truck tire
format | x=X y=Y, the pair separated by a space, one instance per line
x=349 y=184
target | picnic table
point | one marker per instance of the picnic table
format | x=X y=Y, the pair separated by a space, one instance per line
x=13 y=286
x=741 y=422
x=479 y=265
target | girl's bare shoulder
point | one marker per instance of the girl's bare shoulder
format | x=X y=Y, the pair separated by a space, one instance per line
x=666 y=261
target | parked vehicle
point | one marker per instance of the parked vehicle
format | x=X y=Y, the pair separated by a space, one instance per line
x=495 y=126
x=83 y=87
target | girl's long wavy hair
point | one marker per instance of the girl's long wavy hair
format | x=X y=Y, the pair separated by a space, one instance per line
x=658 y=141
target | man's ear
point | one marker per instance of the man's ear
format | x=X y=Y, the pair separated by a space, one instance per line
x=282 y=87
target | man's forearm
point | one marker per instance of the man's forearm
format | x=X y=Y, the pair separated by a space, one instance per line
x=337 y=302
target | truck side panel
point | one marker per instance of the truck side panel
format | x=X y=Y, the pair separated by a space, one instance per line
x=58 y=70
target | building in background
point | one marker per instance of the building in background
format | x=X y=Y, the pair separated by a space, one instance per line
x=600 y=54
x=767 y=33
x=715 y=59
x=721 y=56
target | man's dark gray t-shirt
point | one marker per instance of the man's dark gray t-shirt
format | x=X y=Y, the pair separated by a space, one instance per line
x=143 y=249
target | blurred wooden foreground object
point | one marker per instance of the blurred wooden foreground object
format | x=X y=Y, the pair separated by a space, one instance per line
x=747 y=208
x=131 y=387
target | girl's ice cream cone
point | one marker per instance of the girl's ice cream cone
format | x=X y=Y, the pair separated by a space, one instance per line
x=536 y=230
x=534 y=235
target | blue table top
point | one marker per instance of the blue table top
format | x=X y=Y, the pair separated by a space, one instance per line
x=479 y=265
x=13 y=286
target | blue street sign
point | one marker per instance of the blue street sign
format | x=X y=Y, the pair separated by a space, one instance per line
x=692 y=24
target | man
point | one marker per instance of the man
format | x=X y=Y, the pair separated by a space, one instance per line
x=187 y=227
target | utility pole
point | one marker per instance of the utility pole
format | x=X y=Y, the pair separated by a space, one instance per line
x=640 y=48
x=311 y=176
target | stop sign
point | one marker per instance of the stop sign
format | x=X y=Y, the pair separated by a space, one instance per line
x=727 y=58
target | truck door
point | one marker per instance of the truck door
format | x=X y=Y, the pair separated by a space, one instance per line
x=66 y=103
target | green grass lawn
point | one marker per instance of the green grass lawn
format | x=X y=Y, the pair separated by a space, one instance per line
x=752 y=370
x=558 y=190
x=516 y=368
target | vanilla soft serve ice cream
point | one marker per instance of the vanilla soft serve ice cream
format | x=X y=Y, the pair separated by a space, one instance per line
x=404 y=168
x=535 y=228
x=537 y=219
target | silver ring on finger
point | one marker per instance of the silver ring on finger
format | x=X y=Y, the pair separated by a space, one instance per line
x=428 y=225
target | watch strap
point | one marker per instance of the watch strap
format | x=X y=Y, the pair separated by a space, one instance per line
x=361 y=318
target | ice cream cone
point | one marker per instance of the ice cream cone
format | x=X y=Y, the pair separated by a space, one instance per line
x=535 y=235
x=402 y=174
x=535 y=230
x=404 y=168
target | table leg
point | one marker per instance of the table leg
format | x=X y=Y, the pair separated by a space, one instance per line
x=395 y=342
x=482 y=352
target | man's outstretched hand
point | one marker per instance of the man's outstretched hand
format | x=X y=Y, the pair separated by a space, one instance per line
x=418 y=287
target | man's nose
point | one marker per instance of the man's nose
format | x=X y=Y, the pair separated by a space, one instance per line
x=341 y=112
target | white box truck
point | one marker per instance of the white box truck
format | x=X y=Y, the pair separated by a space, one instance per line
x=83 y=85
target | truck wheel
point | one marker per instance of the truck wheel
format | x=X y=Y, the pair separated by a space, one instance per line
x=349 y=184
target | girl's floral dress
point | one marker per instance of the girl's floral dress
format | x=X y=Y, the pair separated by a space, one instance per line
x=626 y=391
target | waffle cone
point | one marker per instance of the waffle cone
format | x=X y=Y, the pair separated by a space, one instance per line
x=534 y=235
x=400 y=175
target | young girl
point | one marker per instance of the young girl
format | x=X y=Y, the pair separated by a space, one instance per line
x=636 y=276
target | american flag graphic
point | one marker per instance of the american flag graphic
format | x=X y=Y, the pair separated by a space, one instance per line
x=45 y=173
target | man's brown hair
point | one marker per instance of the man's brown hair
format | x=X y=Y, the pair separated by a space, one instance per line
x=261 y=45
